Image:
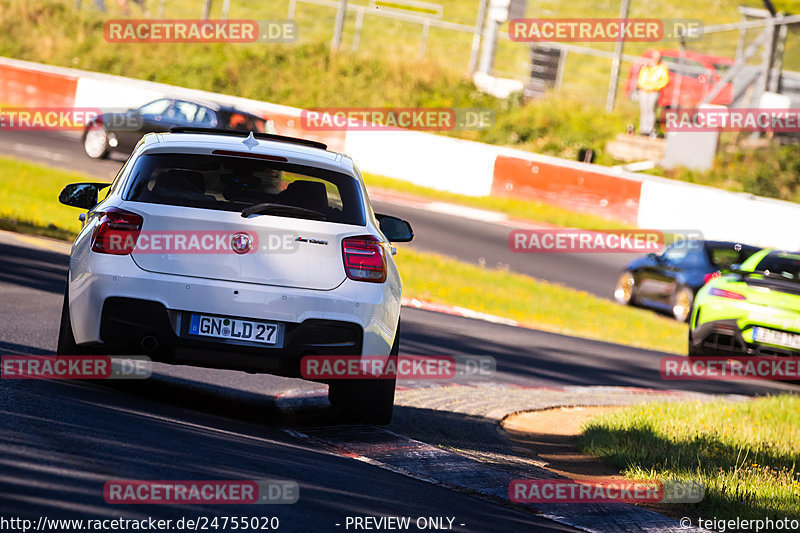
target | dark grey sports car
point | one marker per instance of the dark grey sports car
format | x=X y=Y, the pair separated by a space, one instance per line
x=121 y=131
x=668 y=281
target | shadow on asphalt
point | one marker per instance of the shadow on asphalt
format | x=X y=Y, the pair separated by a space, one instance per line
x=34 y=268
x=536 y=358
x=12 y=348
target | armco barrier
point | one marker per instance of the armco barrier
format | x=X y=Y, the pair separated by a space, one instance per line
x=648 y=201
x=35 y=88
x=453 y=165
x=577 y=186
x=719 y=215
x=425 y=159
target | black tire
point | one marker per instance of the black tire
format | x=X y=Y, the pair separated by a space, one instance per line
x=66 y=340
x=367 y=401
x=95 y=141
x=682 y=302
x=694 y=351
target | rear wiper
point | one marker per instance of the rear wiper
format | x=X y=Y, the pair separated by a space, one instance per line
x=282 y=209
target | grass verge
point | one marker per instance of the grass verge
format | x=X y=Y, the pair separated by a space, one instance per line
x=534 y=303
x=29 y=199
x=746 y=454
x=28 y=203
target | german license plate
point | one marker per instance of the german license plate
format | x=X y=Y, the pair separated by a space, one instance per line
x=777 y=338
x=234 y=329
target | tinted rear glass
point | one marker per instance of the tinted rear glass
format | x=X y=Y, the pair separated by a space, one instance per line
x=233 y=183
x=781 y=264
x=686 y=254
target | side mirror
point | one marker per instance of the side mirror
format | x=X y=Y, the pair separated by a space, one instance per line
x=654 y=257
x=395 y=229
x=83 y=195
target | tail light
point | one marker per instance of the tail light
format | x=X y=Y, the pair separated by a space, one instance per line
x=364 y=258
x=711 y=276
x=117 y=232
x=722 y=293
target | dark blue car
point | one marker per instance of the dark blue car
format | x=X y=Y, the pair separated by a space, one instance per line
x=668 y=281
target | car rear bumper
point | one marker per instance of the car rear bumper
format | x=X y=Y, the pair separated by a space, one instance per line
x=725 y=338
x=130 y=325
x=116 y=305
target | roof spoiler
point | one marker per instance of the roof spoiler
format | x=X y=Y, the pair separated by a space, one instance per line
x=257 y=135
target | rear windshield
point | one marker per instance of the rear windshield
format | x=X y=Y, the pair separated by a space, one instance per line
x=726 y=256
x=782 y=264
x=233 y=183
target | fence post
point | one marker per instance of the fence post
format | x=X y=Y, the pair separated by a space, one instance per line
x=425 y=27
x=341 y=12
x=616 y=62
x=359 y=24
x=489 y=46
x=476 y=37
x=561 y=65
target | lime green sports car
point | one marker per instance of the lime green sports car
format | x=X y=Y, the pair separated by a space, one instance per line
x=751 y=310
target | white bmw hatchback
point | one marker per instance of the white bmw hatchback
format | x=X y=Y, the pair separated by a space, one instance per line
x=237 y=251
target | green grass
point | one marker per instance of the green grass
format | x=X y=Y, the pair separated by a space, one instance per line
x=546 y=306
x=746 y=454
x=29 y=199
x=28 y=203
x=525 y=209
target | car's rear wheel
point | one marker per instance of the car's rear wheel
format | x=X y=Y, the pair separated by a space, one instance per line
x=694 y=351
x=66 y=340
x=367 y=401
x=623 y=291
x=95 y=142
x=682 y=302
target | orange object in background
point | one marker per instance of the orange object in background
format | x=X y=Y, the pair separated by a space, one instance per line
x=692 y=79
x=31 y=88
x=576 y=189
